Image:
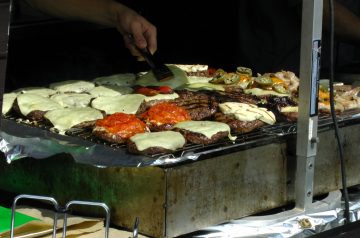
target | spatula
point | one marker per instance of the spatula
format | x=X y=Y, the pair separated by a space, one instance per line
x=160 y=70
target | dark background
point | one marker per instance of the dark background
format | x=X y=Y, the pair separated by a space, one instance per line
x=43 y=49
x=258 y=34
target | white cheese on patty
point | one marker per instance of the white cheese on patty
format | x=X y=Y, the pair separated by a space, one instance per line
x=127 y=79
x=247 y=112
x=199 y=79
x=30 y=102
x=289 y=109
x=45 y=92
x=110 y=91
x=206 y=128
x=128 y=104
x=64 y=119
x=162 y=97
x=72 y=86
x=205 y=86
x=8 y=101
x=72 y=99
x=170 y=140
x=262 y=92
x=179 y=79
x=192 y=68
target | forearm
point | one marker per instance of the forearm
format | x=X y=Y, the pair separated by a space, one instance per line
x=106 y=12
x=347 y=24
x=98 y=11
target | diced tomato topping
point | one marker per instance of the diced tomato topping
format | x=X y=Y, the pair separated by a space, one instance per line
x=165 y=89
x=123 y=125
x=146 y=91
x=166 y=113
x=153 y=90
x=211 y=71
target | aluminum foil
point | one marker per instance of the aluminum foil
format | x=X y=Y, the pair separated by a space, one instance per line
x=21 y=142
x=298 y=226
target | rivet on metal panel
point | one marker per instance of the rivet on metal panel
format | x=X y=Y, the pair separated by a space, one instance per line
x=308 y=193
x=310 y=166
x=315 y=140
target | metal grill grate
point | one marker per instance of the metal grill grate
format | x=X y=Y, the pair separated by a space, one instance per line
x=261 y=136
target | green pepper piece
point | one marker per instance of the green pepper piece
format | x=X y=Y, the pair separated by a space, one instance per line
x=280 y=88
x=244 y=70
x=231 y=78
x=264 y=81
x=219 y=77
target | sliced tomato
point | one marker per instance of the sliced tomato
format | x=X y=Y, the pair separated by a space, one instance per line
x=165 y=89
x=146 y=91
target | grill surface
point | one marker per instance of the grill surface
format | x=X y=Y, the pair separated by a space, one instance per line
x=264 y=135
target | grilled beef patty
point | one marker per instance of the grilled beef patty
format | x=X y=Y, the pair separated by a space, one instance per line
x=236 y=125
x=102 y=133
x=35 y=115
x=288 y=116
x=275 y=104
x=118 y=127
x=198 y=138
x=161 y=127
x=236 y=94
x=199 y=105
x=149 y=151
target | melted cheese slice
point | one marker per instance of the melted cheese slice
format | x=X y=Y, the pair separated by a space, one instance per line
x=170 y=140
x=206 y=128
x=110 y=91
x=8 y=101
x=72 y=99
x=192 y=67
x=72 y=86
x=64 y=119
x=198 y=79
x=262 y=92
x=247 y=112
x=45 y=92
x=205 y=86
x=326 y=107
x=162 y=97
x=289 y=109
x=127 y=79
x=180 y=79
x=128 y=104
x=30 y=102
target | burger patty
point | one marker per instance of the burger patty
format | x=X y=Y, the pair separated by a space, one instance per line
x=238 y=126
x=161 y=127
x=199 y=105
x=144 y=106
x=198 y=138
x=236 y=94
x=131 y=146
x=275 y=104
x=102 y=133
x=36 y=115
x=288 y=116
x=118 y=127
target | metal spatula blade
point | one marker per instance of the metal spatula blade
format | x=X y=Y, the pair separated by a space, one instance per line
x=160 y=70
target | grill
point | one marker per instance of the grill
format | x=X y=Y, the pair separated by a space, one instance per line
x=118 y=156
x=171 y=194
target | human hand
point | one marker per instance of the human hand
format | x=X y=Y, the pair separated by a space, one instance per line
x=143 y=33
